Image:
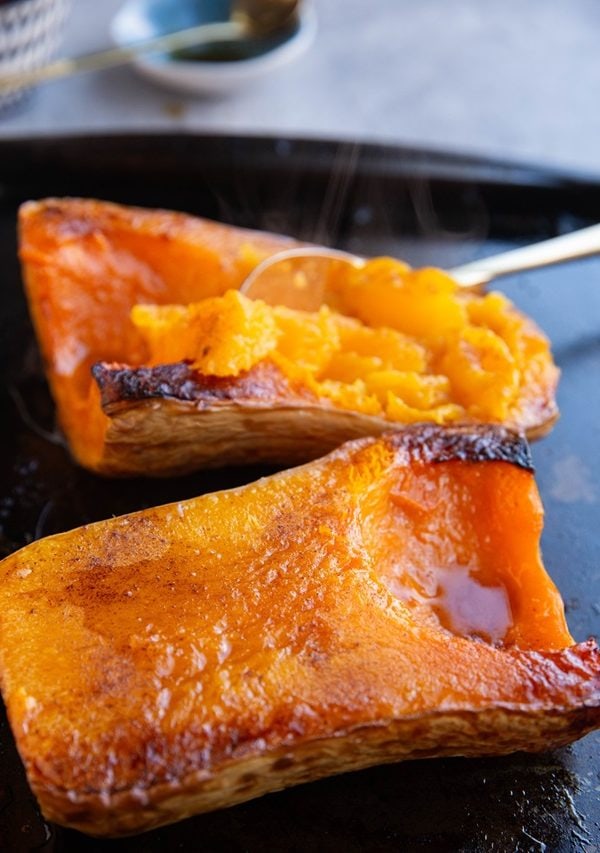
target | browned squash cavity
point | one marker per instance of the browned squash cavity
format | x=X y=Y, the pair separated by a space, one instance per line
x=158 y=365
x=385 y=602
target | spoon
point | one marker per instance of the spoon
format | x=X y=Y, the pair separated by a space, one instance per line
x=248 y=19
x=298 y=278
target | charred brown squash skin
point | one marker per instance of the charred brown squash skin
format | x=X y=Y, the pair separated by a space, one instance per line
x=260 y=415
x=195 y=655
x=170 y=419
x=87 y=263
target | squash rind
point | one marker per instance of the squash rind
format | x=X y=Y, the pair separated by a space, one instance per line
x=168 y=419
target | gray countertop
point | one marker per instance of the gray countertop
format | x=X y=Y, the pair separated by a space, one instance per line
x=517 y=79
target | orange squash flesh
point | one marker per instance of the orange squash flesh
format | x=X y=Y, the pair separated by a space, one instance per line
x=108 y=286
x=87 y=263
x=384 y=602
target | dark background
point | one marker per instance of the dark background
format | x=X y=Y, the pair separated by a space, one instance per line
x=426 y=208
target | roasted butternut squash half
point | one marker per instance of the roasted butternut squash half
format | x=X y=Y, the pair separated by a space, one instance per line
x=387 y=601
x=158 y=365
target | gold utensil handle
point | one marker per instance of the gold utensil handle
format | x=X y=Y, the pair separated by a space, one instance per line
x=190 y=37
x=558 y=250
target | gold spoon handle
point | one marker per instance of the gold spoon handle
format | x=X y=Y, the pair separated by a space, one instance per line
x=191 y=37
x=557 y=250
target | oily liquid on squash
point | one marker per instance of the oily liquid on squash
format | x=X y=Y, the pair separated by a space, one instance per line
x=438 y=562
x=462 y=605
x=400 y=344
x=452 y=572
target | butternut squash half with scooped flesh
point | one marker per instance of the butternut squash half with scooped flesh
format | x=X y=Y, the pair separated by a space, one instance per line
x=158 y=365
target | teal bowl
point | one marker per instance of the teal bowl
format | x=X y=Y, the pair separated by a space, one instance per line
x=217 y=69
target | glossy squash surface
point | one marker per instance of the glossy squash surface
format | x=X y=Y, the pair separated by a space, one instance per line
x=122 y=291
x=384 y=602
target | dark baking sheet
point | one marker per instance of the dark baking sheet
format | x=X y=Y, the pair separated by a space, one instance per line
x=427 y=208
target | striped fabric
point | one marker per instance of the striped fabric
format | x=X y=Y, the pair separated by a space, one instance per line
x=30 y=32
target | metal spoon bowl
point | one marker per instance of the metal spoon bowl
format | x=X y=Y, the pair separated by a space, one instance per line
x=298 y=278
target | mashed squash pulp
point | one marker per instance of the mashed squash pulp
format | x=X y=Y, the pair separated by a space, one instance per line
x=406 y=345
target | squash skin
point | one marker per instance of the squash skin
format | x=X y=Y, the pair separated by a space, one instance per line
x=196 y=655
x=87 y=263
x=170 y=419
